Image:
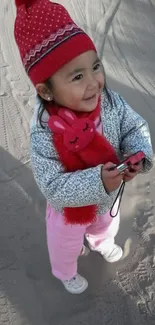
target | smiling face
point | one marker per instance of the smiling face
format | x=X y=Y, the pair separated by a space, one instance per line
x=78 y=84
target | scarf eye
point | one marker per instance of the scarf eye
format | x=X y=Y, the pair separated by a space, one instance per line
x=86 y=127
x=74 y=141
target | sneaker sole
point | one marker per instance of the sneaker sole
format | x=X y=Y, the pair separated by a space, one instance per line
x=84 y=288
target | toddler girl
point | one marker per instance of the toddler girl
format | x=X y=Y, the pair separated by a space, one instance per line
x=79 y=131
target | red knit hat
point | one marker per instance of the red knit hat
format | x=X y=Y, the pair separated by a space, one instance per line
x=47 y=38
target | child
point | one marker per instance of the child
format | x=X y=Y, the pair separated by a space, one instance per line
x=79 y=130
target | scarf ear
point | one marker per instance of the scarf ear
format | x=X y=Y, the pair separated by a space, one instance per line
x=27 y=3
x=67 y=115
x=57 y=125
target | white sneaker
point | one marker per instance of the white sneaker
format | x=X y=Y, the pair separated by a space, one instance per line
x=76 y=285
x=114 y=255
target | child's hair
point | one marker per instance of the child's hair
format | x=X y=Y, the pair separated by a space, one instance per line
x=43 y=103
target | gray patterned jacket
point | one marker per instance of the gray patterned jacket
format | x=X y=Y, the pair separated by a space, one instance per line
x=123 y=127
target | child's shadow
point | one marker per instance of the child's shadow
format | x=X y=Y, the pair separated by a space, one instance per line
x=29 y=293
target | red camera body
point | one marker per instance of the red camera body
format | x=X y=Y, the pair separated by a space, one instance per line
x=130 y=161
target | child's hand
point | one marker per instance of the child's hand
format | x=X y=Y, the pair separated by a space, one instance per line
x=129 y=174
x=111 y=178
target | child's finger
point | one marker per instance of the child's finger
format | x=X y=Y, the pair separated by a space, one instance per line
x=129 y=174
x=115 y=173
x=110 y=171
x=130 y=171
x=135 y=168
x=109 y=166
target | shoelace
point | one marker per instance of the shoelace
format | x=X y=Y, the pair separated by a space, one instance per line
x=71 y=280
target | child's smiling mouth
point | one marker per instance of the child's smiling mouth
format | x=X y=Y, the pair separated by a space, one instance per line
x=90 y=98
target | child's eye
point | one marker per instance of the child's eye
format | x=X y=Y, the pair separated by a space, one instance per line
x=78 y=77
x=97 y=66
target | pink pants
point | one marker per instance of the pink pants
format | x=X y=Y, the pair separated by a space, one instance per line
x=65 y=241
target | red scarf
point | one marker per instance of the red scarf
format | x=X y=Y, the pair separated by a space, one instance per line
x=79 y=147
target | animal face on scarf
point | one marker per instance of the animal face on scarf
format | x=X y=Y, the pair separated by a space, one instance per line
x=77 y=134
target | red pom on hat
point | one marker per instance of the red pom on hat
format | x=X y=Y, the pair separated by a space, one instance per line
x=24 y=2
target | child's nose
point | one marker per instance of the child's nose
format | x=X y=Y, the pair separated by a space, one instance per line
x=92 y=82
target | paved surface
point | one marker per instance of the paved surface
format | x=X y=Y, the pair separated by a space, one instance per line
x=118 y=294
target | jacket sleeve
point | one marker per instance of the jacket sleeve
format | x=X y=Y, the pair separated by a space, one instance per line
x=61 y=189
x=135 y=134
